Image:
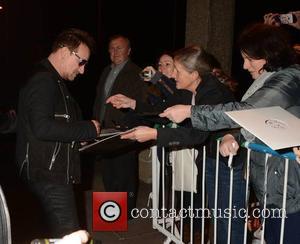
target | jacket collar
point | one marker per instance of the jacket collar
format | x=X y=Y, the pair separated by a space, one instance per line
x=206 y=83
x=46 y=64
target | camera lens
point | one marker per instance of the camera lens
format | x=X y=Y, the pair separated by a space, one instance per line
x=147 y=74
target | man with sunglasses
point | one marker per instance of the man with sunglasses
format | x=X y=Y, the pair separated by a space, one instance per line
x=50 y=130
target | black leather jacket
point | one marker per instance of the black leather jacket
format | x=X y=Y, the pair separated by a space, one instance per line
x=48 y=128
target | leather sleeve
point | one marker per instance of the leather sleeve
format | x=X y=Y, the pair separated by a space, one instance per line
x=282 y=89
x=40 y=99
x=180 y=137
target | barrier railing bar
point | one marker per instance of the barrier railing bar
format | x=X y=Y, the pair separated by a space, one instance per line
x=203 y=193
x=163 y=163
x=154 y=185
x=181 y=198
x=286 y=171
x=230 y=197
x=247 y=195
x=216 y=191
x=192 y=199
x=173 y=192
x=262 y=240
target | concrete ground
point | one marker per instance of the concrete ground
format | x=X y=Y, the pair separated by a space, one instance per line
x=27 y=222
x=139 y=230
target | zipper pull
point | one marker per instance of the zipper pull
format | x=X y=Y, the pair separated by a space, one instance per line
x=52 y=162
x=66 y=116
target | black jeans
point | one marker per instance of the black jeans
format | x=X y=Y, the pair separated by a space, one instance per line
x=120 y=174
x=291 y=230
x=58 y=202
x=238 y=199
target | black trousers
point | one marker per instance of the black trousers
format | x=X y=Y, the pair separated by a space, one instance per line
x=291 y=230
x=120 y=174
x=58 y=202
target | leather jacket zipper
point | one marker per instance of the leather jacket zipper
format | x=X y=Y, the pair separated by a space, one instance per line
x=65 y=116
x=26 y=161
x=54 y=154
x=68 y=165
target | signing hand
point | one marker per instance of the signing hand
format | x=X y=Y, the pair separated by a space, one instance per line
x=97 y=126
x=228 y=146
x=121 y=101
x=177 y=113
x=141 y=134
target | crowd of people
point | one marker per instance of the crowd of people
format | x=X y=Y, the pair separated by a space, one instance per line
x=272 y=62
x=193 y=94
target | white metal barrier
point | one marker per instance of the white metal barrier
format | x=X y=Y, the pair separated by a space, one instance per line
x=170 y=222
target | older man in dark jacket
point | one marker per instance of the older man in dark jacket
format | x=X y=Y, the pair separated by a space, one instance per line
x=50 y=128
x=120 y=171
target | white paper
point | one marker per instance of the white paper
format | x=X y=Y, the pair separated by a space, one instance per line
x=274 y=126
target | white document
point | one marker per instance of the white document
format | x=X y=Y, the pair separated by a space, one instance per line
x=106 y=134
x=275 y=126
x=109 y=132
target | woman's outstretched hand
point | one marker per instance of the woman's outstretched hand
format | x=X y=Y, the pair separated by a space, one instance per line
x=177 y=113
x=121 y=101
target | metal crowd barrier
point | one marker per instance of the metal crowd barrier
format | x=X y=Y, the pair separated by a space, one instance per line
x=5 y=226
x=172 y=226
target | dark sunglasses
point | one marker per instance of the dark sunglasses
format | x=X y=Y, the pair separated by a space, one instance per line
x=82 y=61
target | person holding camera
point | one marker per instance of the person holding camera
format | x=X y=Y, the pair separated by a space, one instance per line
x=291 y=18
x=167 y=85
x=270 y=59
x=162 y=77
x=195 y=84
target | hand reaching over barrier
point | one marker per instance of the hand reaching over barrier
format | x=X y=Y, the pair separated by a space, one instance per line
x=121 y=101
x=177 y=113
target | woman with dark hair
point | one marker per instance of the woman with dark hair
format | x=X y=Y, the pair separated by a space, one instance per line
x=270 y=59
x=193 y=76
x=162 y=77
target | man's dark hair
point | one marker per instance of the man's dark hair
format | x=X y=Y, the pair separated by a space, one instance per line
x=72 y=38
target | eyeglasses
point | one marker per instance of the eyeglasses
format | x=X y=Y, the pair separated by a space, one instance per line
x=82 y=61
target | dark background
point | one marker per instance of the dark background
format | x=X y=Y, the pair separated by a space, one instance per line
x=28 y=28
x=248 y=12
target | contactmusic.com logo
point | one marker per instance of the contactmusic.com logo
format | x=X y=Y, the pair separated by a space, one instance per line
x=110 y=211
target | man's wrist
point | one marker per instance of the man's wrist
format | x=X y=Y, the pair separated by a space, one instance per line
x=154 y=134
x=189 y=111
x=133 y=104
